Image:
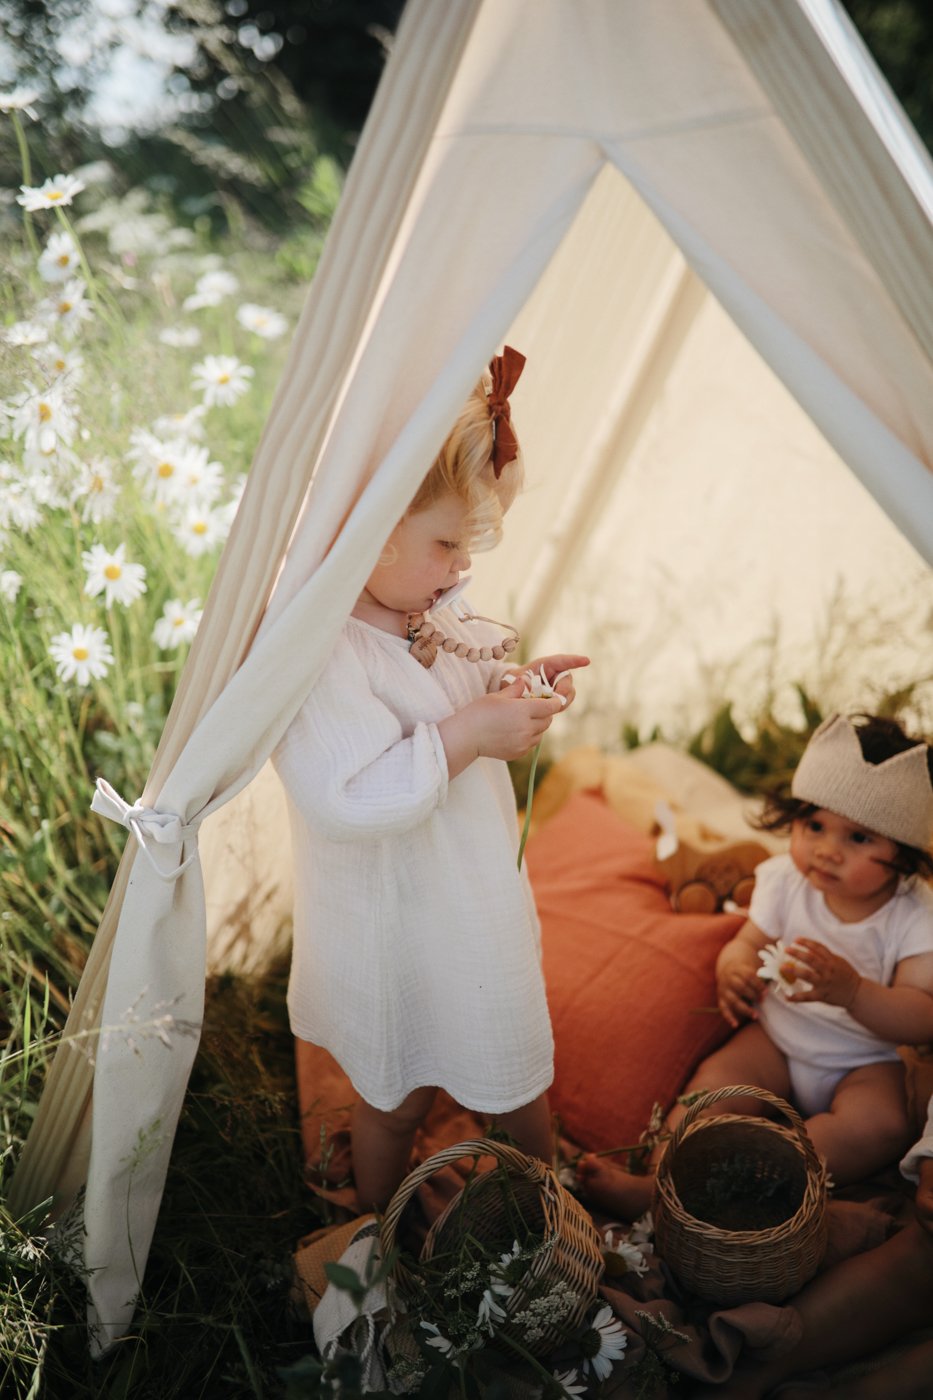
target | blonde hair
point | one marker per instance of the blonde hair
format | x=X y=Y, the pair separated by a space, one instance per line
x=464 y=468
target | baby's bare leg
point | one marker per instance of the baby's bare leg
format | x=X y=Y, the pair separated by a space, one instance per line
x=381 y=1145
x=866 y=1126
x=748 y=1057
x=530 y=1126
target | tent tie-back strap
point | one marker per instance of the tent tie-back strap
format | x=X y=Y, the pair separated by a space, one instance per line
x=147 y=825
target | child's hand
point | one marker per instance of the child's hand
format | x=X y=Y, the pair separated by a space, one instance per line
x=553 y=666
x=496 y=726
x=739 y=989
x=831 y=978
x=923 y=1204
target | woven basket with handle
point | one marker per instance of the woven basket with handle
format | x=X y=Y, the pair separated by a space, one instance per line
x=483 y=1209
x=736 y=1265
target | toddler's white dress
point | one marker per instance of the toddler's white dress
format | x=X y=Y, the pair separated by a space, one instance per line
x=416 y=954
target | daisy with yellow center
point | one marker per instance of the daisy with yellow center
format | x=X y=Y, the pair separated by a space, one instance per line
x=202 y=529
x=108 y=572
x=56 y=192
x=178 y=623
x=81 y=654
x=59 y=259
x=221 y=379
x=262 y=320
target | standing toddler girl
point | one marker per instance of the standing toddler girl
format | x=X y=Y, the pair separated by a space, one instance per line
x=416 y=956
x=850 y=927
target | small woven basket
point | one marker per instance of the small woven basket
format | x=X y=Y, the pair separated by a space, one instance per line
x=740 y=1265
x=547 y=1209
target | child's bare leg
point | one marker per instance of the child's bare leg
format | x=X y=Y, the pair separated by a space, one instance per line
x=382 y=1143
x=850 y=1311
x=530 y=1126
x=866 y=1126
x=748 y=1057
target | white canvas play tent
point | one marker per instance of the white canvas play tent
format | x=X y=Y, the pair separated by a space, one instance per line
x=592 y=180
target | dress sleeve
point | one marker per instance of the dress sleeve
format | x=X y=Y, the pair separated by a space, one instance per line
x=347 y=765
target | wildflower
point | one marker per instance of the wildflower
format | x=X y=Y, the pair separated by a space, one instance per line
x=538 y=687
x=222 y=379
x=18 y=507
x=776 y=967
x=569 y=1383
x=59 y=190
x=210 y=289
x=19 y=100
x=643 y=1229
x=110 y=574
x=25 y=334
x=443 y=1344
x=59 y=259
x=180 y=337
x=43 y=418
x=178 y=623
x=81 y=654
x=490 y=1311
x=181 y=425
x=97 y=491
x=163 y=467
x=60 y=363
x=201 y=529
x=603 y=1343
x=261 y=320
x=67 y=310
x=10 y=584
x=627 y=1257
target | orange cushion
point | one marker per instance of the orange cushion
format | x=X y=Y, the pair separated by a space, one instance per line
x=629 y=981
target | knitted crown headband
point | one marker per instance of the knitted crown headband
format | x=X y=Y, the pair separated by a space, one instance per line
x=893 y=798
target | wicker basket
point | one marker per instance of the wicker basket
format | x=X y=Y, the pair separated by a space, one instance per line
x=547 y=1208
x=741 y=1265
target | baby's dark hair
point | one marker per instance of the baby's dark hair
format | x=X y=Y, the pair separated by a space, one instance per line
x=880 y=739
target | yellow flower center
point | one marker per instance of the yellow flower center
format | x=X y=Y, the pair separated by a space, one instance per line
x=80 y=653
x=63 y=259
x=55 y=194
x=200 y=527
x=112 y=571
x=178 y=622
x=165 y=470
x=97 y=483
x=64 y=307
x=223 y=379
x=45 y=413
x=59 y=365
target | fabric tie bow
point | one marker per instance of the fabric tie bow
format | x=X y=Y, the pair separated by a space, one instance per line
x=505 y=370
x=146 y=824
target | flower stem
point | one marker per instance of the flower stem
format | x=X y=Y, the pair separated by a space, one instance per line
x=26 y=164
x=529 y=802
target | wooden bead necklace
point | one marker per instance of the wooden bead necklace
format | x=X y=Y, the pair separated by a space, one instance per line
x=425 y=639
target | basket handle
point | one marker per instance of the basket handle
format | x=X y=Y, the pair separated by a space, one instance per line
x=732 y=1091
x=530 y=1167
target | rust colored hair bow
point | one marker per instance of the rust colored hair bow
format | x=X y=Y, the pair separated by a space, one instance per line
x=505 y=370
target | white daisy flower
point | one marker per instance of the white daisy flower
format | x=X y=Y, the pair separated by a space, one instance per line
x=178 y=623
x=199 y=480
x=10 y=584
x=81 y=654
x=59 y=190
x=778 y=968
x=538 y=687
x=96 y=492
x=181 y=425
x=19 y=509
x=443 y=1344
x=210 y=289
x=180 y=337
x=489 y=1311
x=163 y=466
x=108 y=572
x=221 y=379
x=603 y=1343
x=68 y=309
x=60 y=362
x=262 y=320
x=631 y=1255
x=43 y=418
x=201 y=530
x=19 y=100
x=25 y=334
x=570 y=1382
x=59 y=259
x=643 y=1229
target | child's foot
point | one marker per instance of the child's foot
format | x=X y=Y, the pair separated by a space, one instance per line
x=605 y=1185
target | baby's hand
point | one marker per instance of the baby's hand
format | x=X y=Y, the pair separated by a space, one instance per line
x=831 y=978
x=554 y=667
x=499 y=728
x=738 y=986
